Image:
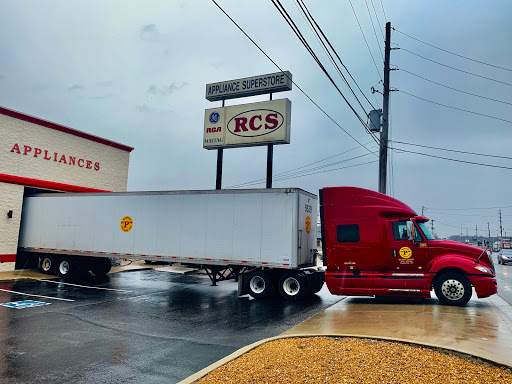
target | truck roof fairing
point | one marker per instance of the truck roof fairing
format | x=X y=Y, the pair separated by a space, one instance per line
x=382 y=205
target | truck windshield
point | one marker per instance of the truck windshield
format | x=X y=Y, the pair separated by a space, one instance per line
x=425 y=231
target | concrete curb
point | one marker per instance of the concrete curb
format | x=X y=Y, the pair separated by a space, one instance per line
x=502 y=308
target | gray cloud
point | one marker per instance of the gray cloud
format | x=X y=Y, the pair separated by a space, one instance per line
x=104 y=83
x=166 y=89
x=149 y=32
x=76 y=87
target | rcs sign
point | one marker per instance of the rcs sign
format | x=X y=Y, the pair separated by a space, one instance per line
x=247 y=125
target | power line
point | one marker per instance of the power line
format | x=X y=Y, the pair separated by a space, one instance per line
x=295 y=170
x=456 y=69
x=294 y=83
x=364 y=37
x=312 y=23
x=447 y=158
x=456 y=108
x=383 y=11
x=453 y=150
x=466 y=209
x=297 y=32
x=378 y=21
x=454 y=89
x=374 y=31
x=453 y=53
x=314 y=173
x=336 y=53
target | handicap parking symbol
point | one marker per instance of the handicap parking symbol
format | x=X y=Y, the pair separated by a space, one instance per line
x=24 y=304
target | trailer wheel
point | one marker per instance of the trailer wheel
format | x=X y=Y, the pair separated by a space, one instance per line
x=101 y=267
x=293 y=286
x=68 y=266
x=259 y=284
x=453 y=289
x=47 y=264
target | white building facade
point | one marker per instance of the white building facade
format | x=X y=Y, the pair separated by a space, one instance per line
x=38 y=155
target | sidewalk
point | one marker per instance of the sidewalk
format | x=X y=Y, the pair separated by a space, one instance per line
x=482 y=328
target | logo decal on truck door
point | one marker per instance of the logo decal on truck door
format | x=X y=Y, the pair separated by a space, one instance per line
x=126 y=224
x=405 y=252
x=308 y=224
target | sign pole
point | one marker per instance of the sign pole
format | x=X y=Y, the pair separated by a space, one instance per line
x=220 y=153
x=270 y=160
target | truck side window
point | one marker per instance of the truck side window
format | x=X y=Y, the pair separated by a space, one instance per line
x=348 y=233
x=400 y=230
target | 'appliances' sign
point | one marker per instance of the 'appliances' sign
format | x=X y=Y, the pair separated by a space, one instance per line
x=247 y=125
x=249 y=86
x=44 y=154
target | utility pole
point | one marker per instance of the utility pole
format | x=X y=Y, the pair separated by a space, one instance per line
x=432 y=226
x=422 y=210
x=501 y=231
x=383 y=155
x=488 y=233
x=476 y=232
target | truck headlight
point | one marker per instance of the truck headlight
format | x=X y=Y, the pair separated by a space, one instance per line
x=483 y=269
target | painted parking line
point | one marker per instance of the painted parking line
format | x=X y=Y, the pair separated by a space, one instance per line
x=29 y=294
x=84 y=286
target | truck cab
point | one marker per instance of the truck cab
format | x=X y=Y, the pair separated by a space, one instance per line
x=375 y=245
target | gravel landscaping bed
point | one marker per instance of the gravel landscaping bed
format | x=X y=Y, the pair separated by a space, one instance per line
x=353 y=360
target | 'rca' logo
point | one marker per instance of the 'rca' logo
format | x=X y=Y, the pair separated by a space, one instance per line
x=257 y=122
x=126 y=224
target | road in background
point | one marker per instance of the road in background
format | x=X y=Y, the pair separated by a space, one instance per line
x=504 y=278
x=162 y=328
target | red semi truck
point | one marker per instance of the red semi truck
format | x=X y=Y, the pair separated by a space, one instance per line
x=375 y=245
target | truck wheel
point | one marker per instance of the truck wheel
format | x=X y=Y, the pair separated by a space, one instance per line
x=453 y=289
x=293 y=286
x=259 y=284
x=67 y=266
x=47 y=264
x=101 y=267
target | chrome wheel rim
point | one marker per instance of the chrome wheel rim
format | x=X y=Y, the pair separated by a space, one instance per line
x=291 y=286
x=257 y=284
x=453 y=289
x=46 y=265
x=64 y=267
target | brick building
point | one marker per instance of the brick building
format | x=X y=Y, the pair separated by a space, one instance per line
x=37 y=155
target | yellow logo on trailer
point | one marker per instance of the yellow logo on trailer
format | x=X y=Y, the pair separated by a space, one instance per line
x=126 y=224
x=405 y=252
x=308 y=224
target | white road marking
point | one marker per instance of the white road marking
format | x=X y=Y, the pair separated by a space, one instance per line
x=84 y=286
x=28 y=294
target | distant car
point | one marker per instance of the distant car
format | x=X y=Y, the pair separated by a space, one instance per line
x=505 y=256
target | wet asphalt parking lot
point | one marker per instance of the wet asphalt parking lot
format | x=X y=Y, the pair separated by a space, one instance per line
x=141 y=327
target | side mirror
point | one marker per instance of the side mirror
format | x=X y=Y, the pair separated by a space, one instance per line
x=411 y=231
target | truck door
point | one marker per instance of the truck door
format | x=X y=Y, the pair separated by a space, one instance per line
x=407 y=254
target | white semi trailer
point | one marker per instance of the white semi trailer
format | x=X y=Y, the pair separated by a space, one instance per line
x=264 y=238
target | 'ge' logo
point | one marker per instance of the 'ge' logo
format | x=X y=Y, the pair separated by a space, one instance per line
x=126 y=224
x=214 y=117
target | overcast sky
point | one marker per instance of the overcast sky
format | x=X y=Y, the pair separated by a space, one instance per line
x=135 y=72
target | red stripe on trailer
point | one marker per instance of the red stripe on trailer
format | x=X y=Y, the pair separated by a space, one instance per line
x=52 y=249
x=88 y=251
x=143 y=255
x=64 y=250
x=158 y=256
x=101 y=252
x=286 y=264
x=263 y=262
x=191 y=258
x=128 y=254
x=115 y=253
x=243 y=261
x=225 y=260
x=174 y=257
x=207 y=259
